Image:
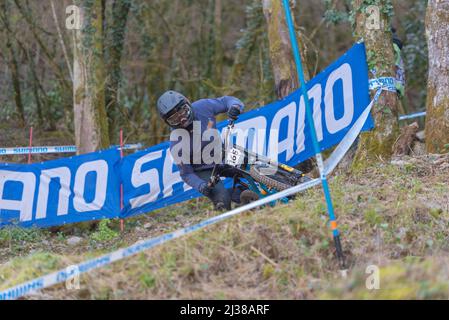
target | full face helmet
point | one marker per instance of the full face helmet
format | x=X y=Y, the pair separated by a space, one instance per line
x=175 y=109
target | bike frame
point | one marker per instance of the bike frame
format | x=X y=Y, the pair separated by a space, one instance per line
x=250 y=157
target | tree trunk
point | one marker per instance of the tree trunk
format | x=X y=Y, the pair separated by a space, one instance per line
x=374 y=28
x=281 y=54
x=246 y=44
x=12 y=62
x=282 y=60
x=115 y=40
x=91 y=126
x=14 y=66
x=437 y=121
x=35 y=85
x=218 y=39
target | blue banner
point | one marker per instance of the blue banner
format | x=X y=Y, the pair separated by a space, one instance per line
x=86 y=187
x=151 y=181
x=57 y=192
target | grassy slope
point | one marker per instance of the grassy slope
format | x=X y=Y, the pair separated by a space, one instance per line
x=394 y=216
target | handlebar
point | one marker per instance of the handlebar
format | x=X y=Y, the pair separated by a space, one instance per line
x=213 y=178
x=229 y=128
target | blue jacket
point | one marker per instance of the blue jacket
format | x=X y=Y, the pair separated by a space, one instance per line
x=205 y=111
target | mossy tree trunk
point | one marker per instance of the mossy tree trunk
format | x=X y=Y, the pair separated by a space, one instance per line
x=252 y=42
x=218 y=47
x=281 y=56
x=374 y=27
x=36 y=86
x=246 y=45
x=15 y=79
x=437 y=121
x=115 y=38
x=282 y=61
x=90 y=119
x=13 y=64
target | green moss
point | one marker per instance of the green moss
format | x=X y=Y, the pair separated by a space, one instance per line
x=267 y=271
x=18 y=235
x=80 y=94
x=104 y=233
x=148 y=280
x=21 y=269
x=104 y=294
x=410 y=279
x=372 y=217
x=385 y=6
x=437 y=125
x=377 y=144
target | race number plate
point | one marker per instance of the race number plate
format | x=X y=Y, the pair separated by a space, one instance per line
x=234 y=157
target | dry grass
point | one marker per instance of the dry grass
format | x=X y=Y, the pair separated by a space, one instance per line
x=394 y=216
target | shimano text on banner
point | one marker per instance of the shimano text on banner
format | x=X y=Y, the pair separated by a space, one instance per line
x=56 y=192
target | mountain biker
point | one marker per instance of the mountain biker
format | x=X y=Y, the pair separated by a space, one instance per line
x=179 y=113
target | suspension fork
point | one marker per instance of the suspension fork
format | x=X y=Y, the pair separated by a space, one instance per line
x=213 y=178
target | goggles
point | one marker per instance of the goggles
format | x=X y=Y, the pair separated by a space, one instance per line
x=181 y=115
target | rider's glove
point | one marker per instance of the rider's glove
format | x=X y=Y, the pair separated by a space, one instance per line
x=234 y=112
x=205 y=189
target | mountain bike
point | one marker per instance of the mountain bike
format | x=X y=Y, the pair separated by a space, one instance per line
x=259 y=175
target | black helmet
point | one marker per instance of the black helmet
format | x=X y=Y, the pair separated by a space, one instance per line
x=175 y=109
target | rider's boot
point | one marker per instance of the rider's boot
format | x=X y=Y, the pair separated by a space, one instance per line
x=219 y=206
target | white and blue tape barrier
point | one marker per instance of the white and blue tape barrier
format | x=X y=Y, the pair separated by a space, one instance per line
x=389 y=84
x=54 y=149
x=413 y=115
x=64 y=275
x=37 y=150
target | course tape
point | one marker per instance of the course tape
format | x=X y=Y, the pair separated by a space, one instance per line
x=54 y=149
x=413 y=115
x=384 y=83
x=64 y=275
x=389 y=84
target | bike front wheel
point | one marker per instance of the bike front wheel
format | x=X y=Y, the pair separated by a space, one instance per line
x=271 y=177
